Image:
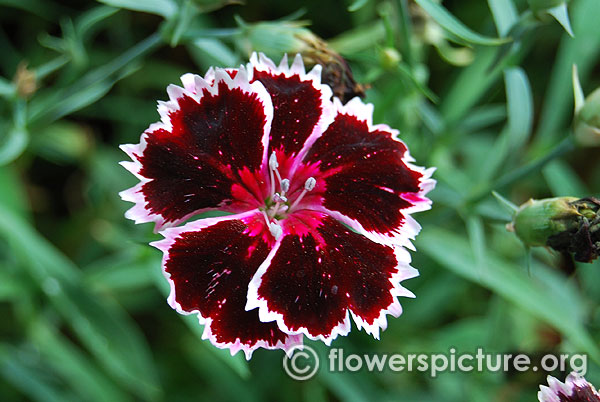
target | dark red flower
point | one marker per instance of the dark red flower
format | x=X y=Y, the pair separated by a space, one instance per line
x=319 y=202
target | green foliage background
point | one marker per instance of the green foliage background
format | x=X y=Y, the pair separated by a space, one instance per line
x=482 y=91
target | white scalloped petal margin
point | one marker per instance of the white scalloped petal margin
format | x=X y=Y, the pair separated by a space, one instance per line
x=403 y=235
x=404 y=271
x=551 y=392
x=170 y=236
x=260 y=62
x=194 y=87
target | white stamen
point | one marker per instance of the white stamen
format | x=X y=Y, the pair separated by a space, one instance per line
x=279 y=198
x=285 y=185
x=266 y=218
x=273 y=164
x=275 y=230
x=310 y=184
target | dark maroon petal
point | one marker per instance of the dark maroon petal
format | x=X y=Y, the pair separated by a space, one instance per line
x=370 y=182
x=316 y=276
x=301 y=103
x=209 y=264
x=209 y=139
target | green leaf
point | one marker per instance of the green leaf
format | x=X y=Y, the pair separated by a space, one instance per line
x=563 y=181
x=90 y=87
x=357 y=5
x=75 y=368
x=455 y=27
x=102 y=326
x=30 y=376
x=507 y=204
x=165 y=8
x=578 y=96
x=7 y=88
x=505 y=15
x=13 y=145
x=551 y=301
x=583 y=50
x=476 y=233
x=358 y=39
x=520 y=107
x=561 y=14
x=520 y=120
x=482 y=117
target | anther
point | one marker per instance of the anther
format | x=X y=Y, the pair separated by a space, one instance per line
x=310 y=184
x=285 y=185
x=279 y=198
x=273 y=164
x=275 y=230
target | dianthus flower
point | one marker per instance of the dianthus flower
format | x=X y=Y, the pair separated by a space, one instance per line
x=574 y=389
x=318 y=202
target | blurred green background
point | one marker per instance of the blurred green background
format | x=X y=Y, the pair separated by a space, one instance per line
x=480 y=89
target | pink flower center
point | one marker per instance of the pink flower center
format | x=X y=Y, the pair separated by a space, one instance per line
x=279 y=204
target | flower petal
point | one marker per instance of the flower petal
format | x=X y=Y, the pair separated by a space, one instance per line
x=212 y=134
x=302 y=105
x=574 y=389
x=370 y=183
x=320 y=273
x=209 y=264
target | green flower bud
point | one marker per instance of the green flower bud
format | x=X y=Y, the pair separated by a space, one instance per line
x=587 y=121
x=389 y=58
x=565 y=224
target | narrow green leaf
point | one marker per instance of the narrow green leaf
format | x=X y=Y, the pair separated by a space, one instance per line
x=90 y=87
x=73 y=366
x=482 y=117
x=165 y=8
x=561 y=14
x=505 y=15
x=579 y=97
x=357 y=5
x=507 y=204
x=212 y=52
x=520 y=119
x=563 y=181
x=102 y=326
x=7 y=88
x=583 y=50
x=13 y=145
x=555 y=304
x=520 y=107
x=20 y=368
x=454 y=26
x=88 y=22
x=358 y=39
x=476 y=233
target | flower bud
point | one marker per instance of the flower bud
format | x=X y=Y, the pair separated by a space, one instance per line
x=587 y=121
x=565 y=224
x=389 y=58
x=25 y=81
x=277 y=38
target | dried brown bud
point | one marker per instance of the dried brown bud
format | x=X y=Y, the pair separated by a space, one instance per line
x=25 y=81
